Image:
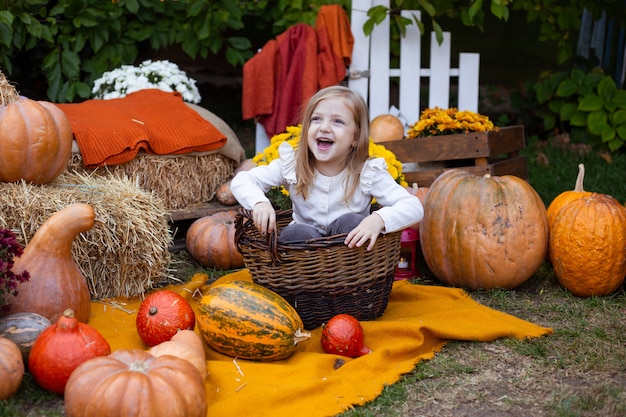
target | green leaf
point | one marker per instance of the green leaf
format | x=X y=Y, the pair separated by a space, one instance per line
x=82 y=90
x=427 y=7
x=607 y=89
x=597 y=122
x=618 y=117
x=591 y=103
x=615 y=144
x=239 y=42
x=608 y=134
x=566 y=88
x=6 y=17
x=71 y=64
x=132 y=6
x=5 y=35
x=474 y=8
x=579 y=118
x=499 y=10
x=567 y=111
x=620 y=99
x=549 y=121
x=621 y=131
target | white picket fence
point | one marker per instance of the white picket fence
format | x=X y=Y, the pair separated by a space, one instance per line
x=370 y=72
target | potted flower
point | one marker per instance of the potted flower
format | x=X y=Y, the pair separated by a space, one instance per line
x=448 y=138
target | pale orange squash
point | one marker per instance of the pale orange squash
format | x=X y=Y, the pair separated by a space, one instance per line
x=588 y=245
x=186 y=344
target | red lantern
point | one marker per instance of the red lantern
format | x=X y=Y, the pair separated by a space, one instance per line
x=409 y=249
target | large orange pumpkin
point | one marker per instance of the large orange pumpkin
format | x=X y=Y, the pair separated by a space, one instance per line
x=133 y=383
x=36 y=140
x=483 y=231
x=11 y=368
x=588 y=245
x=210 y=240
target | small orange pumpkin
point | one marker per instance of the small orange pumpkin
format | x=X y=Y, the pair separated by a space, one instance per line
x=211 y=241
x=385 y=128
x=224 y=194
x=36 y=143
x=11 y=368
x=588 y=245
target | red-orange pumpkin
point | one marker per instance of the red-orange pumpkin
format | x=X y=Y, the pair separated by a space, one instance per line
x=60 y=348
x=211 y=241
x=483 y=231
x=36 y=143
x=161 y=315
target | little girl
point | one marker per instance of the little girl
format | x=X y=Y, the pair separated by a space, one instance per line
x=330 y=178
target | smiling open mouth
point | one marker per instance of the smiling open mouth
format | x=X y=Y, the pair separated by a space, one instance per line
x=324 y=144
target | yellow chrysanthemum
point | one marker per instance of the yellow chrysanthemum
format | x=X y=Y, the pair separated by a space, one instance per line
x=437 y=122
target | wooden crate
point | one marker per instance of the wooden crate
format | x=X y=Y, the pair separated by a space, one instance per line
x=494 y=152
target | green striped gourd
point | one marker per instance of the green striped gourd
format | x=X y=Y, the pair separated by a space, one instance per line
x=23 y=329
x=248 y=321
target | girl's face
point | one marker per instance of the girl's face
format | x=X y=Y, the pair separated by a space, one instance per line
x=331 y=135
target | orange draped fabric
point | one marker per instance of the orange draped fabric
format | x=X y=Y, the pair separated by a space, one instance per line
x=280 y=79
x=110 y=132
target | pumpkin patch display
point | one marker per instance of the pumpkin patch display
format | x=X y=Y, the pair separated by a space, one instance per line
x=161 y=315
x=483 y=231
x=385 y=128
x=133 y=383
x=11 y=368
x=60 y=348
x=36 y=143
x=23 y=329
x=343 y=335
x=56 y=283
x=588 y=245
x=210 y=240
x=246 y=320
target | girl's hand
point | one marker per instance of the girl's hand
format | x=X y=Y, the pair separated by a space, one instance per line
x=264 y=217
x=369 y=229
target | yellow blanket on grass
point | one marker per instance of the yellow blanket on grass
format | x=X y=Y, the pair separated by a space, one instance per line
x=418 y=322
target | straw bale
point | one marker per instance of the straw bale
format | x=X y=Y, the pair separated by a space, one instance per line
x=179 y=181
x=124 y=254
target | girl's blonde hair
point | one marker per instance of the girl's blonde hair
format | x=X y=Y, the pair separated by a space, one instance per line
x=305 y=161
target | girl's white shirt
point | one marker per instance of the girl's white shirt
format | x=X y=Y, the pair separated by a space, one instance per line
x=326 y=200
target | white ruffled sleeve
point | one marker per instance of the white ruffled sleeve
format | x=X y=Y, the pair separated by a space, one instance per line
x=370 y=170
x=288 y=157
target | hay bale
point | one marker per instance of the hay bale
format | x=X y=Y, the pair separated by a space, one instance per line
x=179 y=181
x=125 y=254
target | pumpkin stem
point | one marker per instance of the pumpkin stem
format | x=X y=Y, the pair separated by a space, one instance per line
x=8 y=93
x=300 y=336
x=580 y=178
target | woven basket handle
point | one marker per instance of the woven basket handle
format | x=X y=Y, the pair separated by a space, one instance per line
x=245 y=229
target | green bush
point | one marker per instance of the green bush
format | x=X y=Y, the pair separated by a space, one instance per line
x=587 y=104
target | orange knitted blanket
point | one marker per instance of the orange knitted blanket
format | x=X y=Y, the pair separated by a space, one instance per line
x=110 y=132
x=418 y=322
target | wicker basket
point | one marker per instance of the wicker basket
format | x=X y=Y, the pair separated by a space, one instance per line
x=321 y=277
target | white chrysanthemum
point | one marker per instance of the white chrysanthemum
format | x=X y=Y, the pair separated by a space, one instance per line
x=164 y=75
